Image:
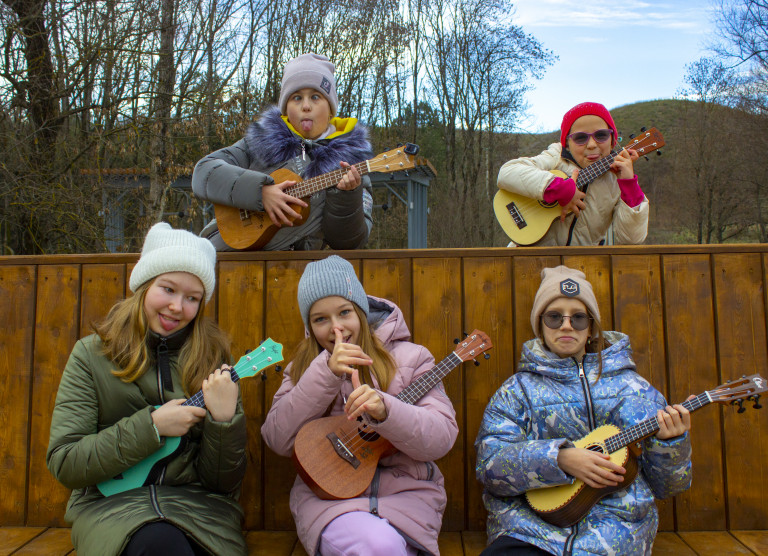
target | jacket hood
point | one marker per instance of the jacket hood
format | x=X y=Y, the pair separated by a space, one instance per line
x=387 y=320
x=538 y=359
x=271 y=142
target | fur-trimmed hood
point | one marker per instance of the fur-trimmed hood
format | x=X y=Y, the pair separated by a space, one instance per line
x=271 y=142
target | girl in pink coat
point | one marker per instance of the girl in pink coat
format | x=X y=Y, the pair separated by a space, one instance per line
x=355 y=360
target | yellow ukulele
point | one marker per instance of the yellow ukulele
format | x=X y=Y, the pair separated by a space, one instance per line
x=525 y=220
x=565 y=505
x=251 y=230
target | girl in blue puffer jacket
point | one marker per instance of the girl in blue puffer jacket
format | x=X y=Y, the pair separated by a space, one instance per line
x=573 y=378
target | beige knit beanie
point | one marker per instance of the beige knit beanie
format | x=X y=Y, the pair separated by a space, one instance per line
x=562 y=281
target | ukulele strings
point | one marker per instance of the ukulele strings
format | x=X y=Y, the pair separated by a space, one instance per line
x=649 y=426
x=586 y=175
x=324 y=181
x=353 y=433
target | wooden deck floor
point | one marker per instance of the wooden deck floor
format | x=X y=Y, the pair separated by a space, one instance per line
x=41 y=541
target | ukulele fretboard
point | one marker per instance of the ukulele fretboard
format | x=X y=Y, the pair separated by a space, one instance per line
x=325 y=181
x=649 y=426
x=416 y=391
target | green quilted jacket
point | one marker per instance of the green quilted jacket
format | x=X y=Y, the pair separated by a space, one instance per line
x=101 y=426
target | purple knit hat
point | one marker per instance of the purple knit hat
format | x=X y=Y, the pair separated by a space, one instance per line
x=312 y=71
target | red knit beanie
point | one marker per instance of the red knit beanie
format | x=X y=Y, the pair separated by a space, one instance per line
x=586 y=109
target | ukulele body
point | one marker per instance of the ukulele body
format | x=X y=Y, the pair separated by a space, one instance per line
x=248 y=230
x=330 y=470
x=523 y=219
x=565 y=505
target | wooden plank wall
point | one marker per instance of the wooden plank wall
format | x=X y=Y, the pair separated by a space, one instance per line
x=696 y=316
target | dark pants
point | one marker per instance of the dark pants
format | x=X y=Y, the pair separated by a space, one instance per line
x=161 y=539
x=510 y=545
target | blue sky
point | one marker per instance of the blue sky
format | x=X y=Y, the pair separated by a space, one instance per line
x=611 y=52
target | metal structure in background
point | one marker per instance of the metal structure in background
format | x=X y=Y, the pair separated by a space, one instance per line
x=409 y=187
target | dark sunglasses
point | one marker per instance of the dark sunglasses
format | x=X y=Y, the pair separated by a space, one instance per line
x=582 y=138
x=554 y=320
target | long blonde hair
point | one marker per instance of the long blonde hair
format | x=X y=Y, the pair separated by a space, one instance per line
x=383 y=368
x=124 y=332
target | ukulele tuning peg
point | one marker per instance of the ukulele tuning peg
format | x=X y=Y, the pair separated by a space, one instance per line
x=465 y=334
x=740 y=403
x=476 y=362
x=645 y=157
x=278 y=368
x=643 y=129
x=456 y=340
x=487 y=355
x=263 y=377
x=756 y=400
x=399 y=145
x=247 y=351
x=631 y=135
x=658 y=153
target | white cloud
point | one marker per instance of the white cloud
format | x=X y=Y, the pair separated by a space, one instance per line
x=684 y=15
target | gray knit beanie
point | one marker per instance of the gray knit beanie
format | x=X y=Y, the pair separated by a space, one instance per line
x=327 y=277
x=313 y=71
x=562 y=281
x=169 y=250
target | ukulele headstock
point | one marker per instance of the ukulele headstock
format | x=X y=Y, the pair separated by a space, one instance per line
x=474 y=344
x=736 y=391
x=400 y=158
x=253 y=362
x=647 y=141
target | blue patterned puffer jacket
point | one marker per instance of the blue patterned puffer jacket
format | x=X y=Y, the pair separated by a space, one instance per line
x=544 y=406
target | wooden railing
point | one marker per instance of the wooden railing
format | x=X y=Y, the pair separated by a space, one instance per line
x=696 y=316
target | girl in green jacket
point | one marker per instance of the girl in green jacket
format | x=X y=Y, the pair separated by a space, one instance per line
x=119 y=404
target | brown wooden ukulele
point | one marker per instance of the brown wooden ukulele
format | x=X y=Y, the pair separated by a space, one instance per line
x=565 y=505
x=244 y=229
x=337 y=458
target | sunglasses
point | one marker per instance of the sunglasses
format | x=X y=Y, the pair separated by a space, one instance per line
x=582 y=138
x=554 y=320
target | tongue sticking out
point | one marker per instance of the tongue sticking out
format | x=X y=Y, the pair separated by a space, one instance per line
x=306 y=125
x=167 y=324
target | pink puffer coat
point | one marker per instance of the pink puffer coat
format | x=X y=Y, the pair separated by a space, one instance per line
x=410 y=493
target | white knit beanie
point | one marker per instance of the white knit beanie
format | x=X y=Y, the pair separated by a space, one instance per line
x=312 y=71
x=331 y=276
x=169 y=250
x=562 y=281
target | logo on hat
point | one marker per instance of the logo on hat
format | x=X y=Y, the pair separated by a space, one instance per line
x=569 y=287
x=325 y=85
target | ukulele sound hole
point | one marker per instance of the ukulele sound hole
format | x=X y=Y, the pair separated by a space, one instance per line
x=368 y=436
x=600 y=448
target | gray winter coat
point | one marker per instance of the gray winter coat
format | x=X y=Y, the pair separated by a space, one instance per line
x=234 y=177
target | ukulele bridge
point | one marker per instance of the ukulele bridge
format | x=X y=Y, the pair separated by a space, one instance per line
x=342 y=450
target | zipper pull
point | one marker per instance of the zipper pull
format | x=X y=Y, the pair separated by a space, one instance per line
x=164 y=365
x=581 y=369
x=303 y=152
